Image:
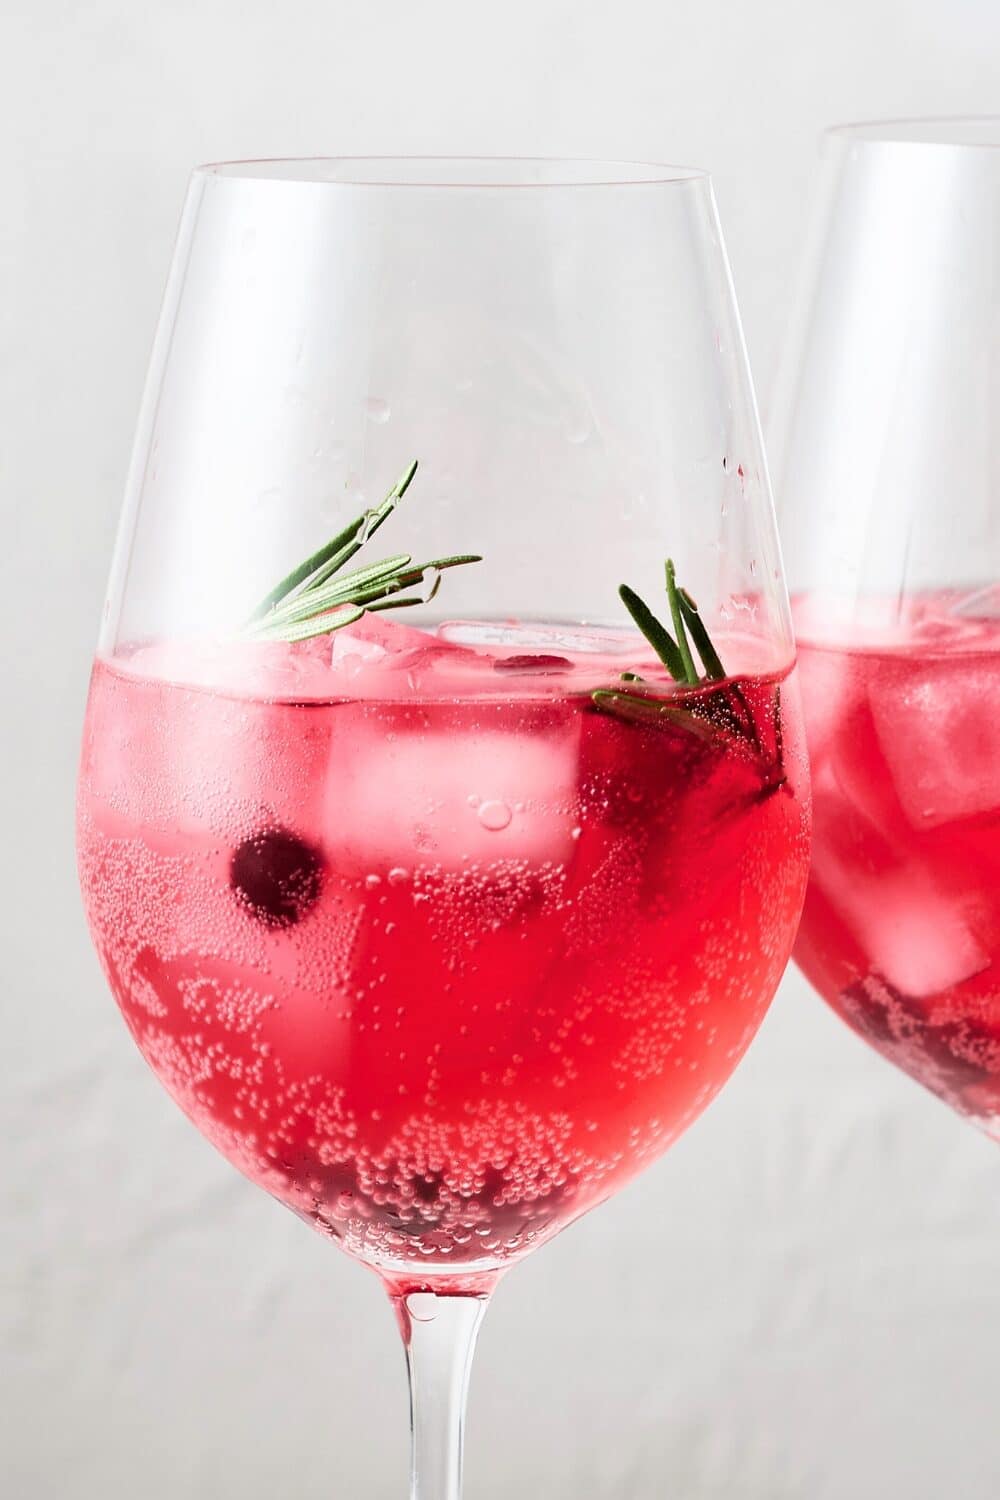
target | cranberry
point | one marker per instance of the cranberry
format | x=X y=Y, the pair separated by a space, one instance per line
x=276 y=875
x=542 y=665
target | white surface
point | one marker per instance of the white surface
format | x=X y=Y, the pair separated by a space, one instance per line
x=802 y=1302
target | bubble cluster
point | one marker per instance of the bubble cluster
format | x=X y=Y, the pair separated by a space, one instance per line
x=437 y=1024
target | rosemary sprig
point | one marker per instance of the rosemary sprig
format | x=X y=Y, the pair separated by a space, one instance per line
x=657 y=635
x=677 y=616
x=721 y=711
x=316 y=597
x=676 y=655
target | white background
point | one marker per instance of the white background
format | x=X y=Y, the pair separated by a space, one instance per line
x=802 y=1302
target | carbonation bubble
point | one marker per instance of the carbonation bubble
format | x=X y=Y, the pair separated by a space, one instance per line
x=495 y=816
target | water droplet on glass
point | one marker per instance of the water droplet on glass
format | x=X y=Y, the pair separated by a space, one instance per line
x=753 y=567
x=377 y=409
x=473 y=799
x=575 y=833
x=371 y=881
x=397 y=875
x=495 y=816
x=578 y=431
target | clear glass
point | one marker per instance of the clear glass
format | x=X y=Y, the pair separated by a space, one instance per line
x=883 y=441
x=442 y=924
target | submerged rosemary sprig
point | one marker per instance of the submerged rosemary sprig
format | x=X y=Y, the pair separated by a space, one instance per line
x=316 y=597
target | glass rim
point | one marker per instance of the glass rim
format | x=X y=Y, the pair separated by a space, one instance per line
x=958 y=132
x=452 y=173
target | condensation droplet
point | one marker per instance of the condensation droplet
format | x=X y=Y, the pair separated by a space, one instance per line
x=371 y=881
x=495 y=816
x=397 y=875
x=377 y=409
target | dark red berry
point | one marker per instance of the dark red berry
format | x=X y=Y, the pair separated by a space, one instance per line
x=542 y=665
x=277 y=876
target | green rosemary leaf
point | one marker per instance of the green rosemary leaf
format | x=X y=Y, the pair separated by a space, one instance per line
x=417 y=573
x=311 y=565
x=322 y=624
x=339 y=591
x=458 y=561
x=696 y=625
x=639 y=709
x=312 y=600
x=396 y=603
x=687 y=660
x=657 y=635
x=340 y=549
x=368 y=524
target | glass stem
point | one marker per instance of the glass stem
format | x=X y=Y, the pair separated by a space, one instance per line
x=439 y=1334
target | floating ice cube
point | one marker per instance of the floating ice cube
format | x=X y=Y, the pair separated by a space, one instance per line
x=446 y=786
x=862 y=777
x=938 y=725
x=381 y=658
x=831 y=691
x=378 y=635
x=250 y=668
x=914 y=932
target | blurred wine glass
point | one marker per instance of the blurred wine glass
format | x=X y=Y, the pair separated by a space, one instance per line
x=883 y=448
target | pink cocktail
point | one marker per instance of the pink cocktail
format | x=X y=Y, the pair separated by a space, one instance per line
x=901 y=927
x=428 y=944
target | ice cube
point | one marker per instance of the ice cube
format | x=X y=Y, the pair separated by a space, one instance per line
x=381 y=658
x=938 y=725
x=249 y=668
x=914 y=932
x=830 y=694
x=375 y=636
x=450 y=785
x=863 y=778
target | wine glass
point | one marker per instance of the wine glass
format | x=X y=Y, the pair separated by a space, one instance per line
x=441 y=883
x=884 y=449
